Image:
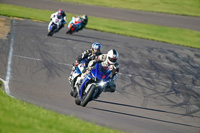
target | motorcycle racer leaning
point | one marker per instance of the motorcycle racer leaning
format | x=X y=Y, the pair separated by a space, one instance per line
x=60 y=14
x=89 y=54
x=79 y=21
x=84 y=21
x=108 y=61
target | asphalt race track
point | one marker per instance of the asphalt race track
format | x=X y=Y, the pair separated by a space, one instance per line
x=157 y=89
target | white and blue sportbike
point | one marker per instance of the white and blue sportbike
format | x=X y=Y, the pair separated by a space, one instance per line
x=74 y=75
x=54 y=26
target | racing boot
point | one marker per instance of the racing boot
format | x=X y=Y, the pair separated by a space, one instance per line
x=110 y=88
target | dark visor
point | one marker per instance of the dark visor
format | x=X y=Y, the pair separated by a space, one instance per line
x=112 y=59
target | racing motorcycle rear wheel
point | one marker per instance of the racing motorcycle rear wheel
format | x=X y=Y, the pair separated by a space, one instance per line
x=77 y=100
x=73 y=93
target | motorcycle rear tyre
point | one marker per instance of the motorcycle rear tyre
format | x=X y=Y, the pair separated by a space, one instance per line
x=69 y=32
x=73 y=93
x=77 y=100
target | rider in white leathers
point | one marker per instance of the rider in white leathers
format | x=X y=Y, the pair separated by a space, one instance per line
x=108 y=61
x=60 y=14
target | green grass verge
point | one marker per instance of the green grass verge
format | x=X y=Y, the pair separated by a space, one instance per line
x=183 y=7
x=178 y=36
x=20 y=117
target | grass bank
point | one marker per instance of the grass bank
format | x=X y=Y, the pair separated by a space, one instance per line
x=182 y=7
x=20 y=117
x=178 y=36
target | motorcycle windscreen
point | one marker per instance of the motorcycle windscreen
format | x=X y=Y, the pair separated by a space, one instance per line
x=77 y=70
x=100 y=72
x=81 y=67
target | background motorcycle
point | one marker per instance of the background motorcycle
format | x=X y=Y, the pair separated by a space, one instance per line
x=77 y=72
x=93 y=84
x=54 y=26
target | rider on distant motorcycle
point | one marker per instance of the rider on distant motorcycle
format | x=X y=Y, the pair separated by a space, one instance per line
x=108 y=61
x=60 y=14
x=84 y=21
x=89 y=54
x=79 y=21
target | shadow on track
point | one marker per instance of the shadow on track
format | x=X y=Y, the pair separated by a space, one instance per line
x=149 y=118
x=96 y=38
x=168 y=77
x=65 y=38
x=132 y=106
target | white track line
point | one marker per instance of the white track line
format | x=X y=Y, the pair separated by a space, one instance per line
x=6 y=83
x=10 y=60
x=37 y=59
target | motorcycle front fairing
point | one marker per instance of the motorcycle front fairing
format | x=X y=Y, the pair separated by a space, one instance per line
x=52 y=25
x=78 y=69
x=74 y=25
x=98 y=74
x=56 y=22
x=82 y=65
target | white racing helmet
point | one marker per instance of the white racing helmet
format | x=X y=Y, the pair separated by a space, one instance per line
x=112 y=56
